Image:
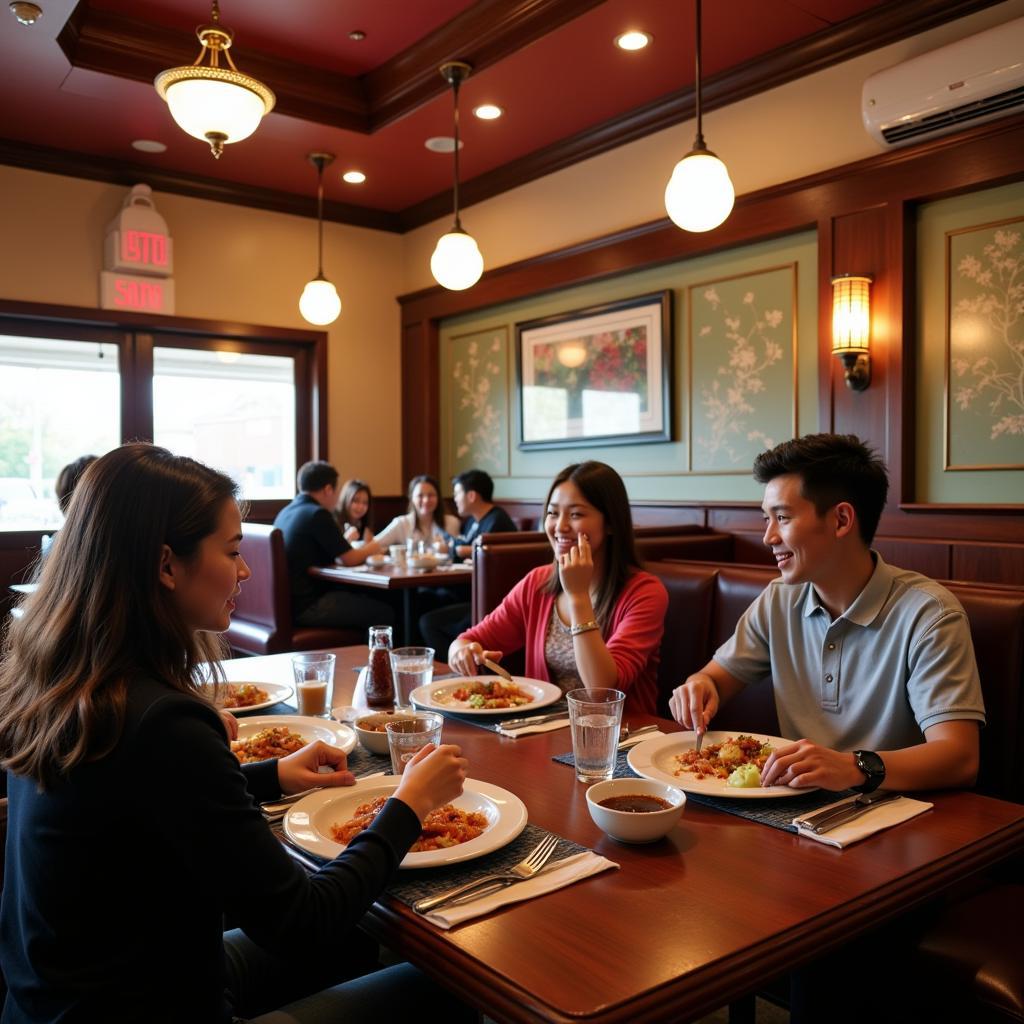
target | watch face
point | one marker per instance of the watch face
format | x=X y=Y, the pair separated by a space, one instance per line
x=873 y=768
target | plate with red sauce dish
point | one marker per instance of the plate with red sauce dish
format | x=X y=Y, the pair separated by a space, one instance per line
x=655 y=759
x=444 y=696
x=309 y=821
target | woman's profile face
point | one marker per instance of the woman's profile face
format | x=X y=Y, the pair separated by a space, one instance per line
x=359 y=505
x=424 y=499
x=203 y=588
x=569 y=515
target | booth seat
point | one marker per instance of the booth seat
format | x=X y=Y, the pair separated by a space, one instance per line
x=262 y=620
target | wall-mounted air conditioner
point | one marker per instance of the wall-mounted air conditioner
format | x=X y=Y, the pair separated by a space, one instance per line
x=967 y=82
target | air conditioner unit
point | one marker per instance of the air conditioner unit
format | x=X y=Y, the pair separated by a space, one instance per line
x=967 y=82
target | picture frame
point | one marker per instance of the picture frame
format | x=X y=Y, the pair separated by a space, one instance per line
x=596 y=376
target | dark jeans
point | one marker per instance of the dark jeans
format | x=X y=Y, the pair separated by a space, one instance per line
x=440 y=627
x=343 y=609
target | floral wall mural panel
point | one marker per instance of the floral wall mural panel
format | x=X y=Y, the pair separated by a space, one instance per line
x=985 y=347
x=478 y=406
x=742 y=344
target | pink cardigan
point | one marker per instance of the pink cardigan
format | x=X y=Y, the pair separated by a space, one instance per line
x=633 y=637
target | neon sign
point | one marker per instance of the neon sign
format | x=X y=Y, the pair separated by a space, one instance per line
x=131 y=291
x=145 y=247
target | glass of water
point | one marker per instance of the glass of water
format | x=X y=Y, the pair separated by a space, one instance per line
x=595 y=716
x=411 y=667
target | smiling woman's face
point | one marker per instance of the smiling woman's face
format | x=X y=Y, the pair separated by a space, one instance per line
x=568 y=515
x=424 y=500
x=359 y=504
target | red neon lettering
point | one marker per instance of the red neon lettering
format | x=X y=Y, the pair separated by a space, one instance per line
x=144 y=247
x=121 y=298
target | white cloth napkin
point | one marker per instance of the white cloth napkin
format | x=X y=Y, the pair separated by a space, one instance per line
x=878 y=818
x=634 y=740
x=525 y=730
x=555 y=876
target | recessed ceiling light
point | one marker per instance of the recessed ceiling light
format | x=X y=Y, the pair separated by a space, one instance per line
x=354 y=177
x=149 y=146
x=357 y=35
x=488 y=112
x=26 y=13
x=633 y=40
x=442 y=144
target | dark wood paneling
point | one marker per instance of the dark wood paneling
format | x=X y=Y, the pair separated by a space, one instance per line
x=931 y=558
x=989 y=563
x=421 y=400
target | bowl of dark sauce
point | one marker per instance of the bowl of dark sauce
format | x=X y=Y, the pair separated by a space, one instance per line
x=635 y=810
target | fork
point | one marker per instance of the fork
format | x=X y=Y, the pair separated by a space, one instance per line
x=526 y=868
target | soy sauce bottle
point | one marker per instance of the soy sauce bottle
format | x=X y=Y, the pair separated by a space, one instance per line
x=380 y=684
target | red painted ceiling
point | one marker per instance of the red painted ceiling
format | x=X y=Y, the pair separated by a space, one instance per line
x=567 y=81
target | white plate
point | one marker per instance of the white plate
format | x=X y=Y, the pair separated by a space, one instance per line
x=337 y=734
x=654 y=759
x=276 y=692
x=435 y=697
x=308 y=823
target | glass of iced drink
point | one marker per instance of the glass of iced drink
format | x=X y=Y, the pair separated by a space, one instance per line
x=411 y=667
x=595 y=716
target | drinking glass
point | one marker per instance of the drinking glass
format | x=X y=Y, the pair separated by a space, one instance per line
x=411 y=667
x=407 y=737
x=595 y=716
x=314 y=683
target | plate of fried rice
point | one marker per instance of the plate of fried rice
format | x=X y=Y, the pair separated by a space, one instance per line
x=673 y=759
x=239 y=698
x=273 y=736
x=483 y=819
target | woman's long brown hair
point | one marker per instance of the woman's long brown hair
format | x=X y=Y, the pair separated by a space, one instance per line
x=349 y=490
x=99 y=619
x=604 y=489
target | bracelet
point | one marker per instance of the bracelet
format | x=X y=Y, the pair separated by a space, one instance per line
x=583 y=627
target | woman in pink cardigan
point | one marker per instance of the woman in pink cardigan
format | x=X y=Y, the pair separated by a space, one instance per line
x=593 y=617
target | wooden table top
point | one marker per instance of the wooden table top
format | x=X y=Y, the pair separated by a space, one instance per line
x=719 y=907
x=392 y=577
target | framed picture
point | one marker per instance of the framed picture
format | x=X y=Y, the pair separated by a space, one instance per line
x=597 y=376
x=742 y=368
x=985 y=347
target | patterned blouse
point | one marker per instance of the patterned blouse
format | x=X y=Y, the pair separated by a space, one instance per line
x=560 y=655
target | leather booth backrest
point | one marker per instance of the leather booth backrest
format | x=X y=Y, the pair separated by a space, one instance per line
x=265 y=597
x=639 y=532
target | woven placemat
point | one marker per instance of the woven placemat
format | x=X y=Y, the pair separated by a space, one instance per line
x=776 y=813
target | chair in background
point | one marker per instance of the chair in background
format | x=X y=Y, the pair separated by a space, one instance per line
x=262 y=620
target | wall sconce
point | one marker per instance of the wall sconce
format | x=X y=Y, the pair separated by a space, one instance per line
x=851 y=328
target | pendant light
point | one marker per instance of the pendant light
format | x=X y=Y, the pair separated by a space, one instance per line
x=699 y=195
x=456 y=263
x=319 y=302
x=215 y=104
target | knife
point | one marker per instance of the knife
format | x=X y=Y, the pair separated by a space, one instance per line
x=521 y=723
x=825 y=821
x=497 y=669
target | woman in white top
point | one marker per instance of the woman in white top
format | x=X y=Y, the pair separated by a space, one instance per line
x=425 y=519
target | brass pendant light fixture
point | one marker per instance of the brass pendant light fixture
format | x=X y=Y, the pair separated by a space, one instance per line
x=699 y=195
x=456 y=263
x=319 y=302
x=219 y=105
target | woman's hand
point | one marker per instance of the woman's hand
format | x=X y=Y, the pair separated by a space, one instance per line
x=433 y=778
x=300 y=770
x=466 y=657
x=576 y=568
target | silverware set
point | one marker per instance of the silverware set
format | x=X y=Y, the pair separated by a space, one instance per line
x=833 y=817
x=274 y=811
x=529 y=866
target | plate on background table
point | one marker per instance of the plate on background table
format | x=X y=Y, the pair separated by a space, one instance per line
x=335 y=734
x=308 y=822
x=655 y=759
x=439 y=696
x=276 y=692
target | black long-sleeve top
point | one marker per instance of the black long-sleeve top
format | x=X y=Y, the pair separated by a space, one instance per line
x=117 y=878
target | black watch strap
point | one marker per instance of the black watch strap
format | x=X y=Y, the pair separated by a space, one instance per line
x=873 y=768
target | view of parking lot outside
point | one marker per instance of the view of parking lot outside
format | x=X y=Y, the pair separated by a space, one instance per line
x=58 y=400
x=234 y=411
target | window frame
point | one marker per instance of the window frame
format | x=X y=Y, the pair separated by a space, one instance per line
x=136 y=334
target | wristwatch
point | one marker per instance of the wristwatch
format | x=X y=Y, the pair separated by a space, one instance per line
x=873 y=768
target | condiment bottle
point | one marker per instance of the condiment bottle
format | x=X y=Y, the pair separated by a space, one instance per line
x=380 y=684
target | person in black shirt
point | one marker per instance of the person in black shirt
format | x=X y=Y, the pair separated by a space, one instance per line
x=472 y=491
x=312 y=537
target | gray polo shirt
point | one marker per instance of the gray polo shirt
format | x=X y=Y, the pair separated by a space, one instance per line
x=899 y=660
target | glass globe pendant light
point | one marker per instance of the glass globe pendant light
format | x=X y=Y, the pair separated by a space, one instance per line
x=699 y=195
x=217 y=104
x=456 y=263
x=319 y=302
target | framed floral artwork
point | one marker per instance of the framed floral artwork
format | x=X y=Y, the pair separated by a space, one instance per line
x=985 y=347
x=597 y=376
x=477 y=412
x=742 y=368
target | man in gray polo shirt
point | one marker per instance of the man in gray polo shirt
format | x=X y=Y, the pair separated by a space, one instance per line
x=873 y=666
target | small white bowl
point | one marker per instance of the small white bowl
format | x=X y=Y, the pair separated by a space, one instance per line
x=376 y=560
x=373 y=741
x=421 y=561
x=635 y=826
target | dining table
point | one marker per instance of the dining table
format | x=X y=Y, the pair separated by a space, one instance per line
x=450 y=575
x=711 y=913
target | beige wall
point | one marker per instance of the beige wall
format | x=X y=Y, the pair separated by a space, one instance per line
x=786 y=133
x=232 y=263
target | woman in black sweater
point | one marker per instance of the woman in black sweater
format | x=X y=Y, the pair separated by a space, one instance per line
x=132 y=827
